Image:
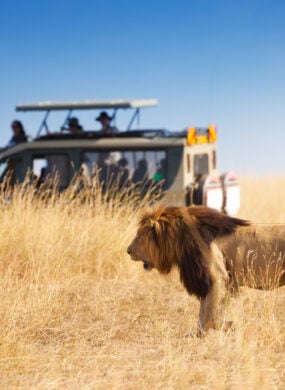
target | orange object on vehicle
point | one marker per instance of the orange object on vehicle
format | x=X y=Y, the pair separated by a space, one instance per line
x=191 y=136
x=212 y=133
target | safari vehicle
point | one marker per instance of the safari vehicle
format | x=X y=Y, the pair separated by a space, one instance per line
x=184 y=162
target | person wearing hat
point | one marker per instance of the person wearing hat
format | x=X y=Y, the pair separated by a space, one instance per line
x=74 y=126
x=105 y=121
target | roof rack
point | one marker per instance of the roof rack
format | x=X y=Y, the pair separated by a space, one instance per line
x=49 y=106
x=87 y=104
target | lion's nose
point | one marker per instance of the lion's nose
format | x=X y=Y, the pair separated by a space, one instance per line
x=129 y=250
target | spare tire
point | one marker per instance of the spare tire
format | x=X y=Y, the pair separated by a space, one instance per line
x=206 y=190
x=231 y=193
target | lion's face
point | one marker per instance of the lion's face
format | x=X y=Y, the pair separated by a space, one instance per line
x=153 y=242
x=141 y=249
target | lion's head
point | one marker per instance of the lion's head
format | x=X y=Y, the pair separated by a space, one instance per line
x=153 y=243
x=167 y=237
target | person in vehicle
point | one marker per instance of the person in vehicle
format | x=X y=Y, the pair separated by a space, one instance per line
x=19 y=134
x=160 y=174
x=123 y=173
x=105 y=121
x=102 y=169
x=74 y=126
x=141 y=172
x=42 y=177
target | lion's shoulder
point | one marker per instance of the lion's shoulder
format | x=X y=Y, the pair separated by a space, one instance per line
x=213 y=224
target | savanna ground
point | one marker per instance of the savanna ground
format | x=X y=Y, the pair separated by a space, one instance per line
x=77 y=313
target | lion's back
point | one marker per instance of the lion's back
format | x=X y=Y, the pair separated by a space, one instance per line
x=255 y=255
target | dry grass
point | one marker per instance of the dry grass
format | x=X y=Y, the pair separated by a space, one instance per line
x=76 y=313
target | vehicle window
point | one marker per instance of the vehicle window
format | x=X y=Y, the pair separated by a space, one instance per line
x=129 y=166
x=201 y=164
x=3 y=168
x=52 y=166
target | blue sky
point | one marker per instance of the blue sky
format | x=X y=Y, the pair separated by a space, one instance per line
x=220 y=61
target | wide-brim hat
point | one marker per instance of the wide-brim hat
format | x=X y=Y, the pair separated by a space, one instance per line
x=102 y=115
x=73 y=121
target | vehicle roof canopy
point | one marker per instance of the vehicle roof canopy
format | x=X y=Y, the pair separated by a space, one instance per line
x=192 y=134
x=87 y=104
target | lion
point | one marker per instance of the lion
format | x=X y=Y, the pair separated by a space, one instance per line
x=214 y=253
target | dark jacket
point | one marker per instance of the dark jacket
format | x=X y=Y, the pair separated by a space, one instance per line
x=17 y=139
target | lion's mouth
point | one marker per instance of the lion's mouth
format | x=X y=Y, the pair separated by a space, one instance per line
x=146 y=265
x=134 y=258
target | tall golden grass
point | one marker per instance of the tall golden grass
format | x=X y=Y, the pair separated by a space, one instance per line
x=76 y=313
